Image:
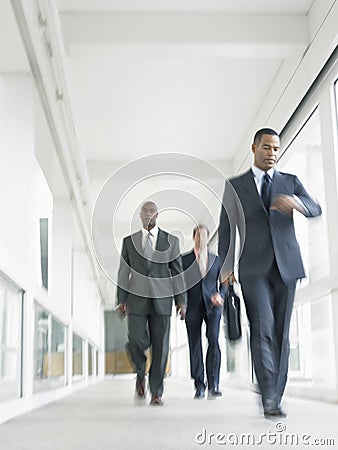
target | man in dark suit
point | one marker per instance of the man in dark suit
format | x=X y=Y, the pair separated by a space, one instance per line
x=201 y=272
x=149 y=277
x=262 y=201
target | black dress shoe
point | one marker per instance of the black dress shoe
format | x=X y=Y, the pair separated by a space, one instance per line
x=214 y=393
x=273 y=409
x=199 y=394
x=156 y=400
x=140 y=387
x=274 y=413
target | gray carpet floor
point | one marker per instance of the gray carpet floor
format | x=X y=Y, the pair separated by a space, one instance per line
x=104 y=416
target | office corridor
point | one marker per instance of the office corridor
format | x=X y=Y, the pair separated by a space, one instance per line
x=104 y=417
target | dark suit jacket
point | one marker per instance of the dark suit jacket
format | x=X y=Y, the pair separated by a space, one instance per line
x=161 y=280
x=263 y=237
x=198 y=286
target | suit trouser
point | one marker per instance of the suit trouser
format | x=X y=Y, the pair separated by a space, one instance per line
x=269 y=302
x=145 y=331
x=213 y=358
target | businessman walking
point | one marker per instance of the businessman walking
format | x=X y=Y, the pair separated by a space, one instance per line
x=201 y=272
x=149 y=277
x=270 y=262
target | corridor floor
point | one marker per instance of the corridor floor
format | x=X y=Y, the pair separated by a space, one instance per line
x=104 y=417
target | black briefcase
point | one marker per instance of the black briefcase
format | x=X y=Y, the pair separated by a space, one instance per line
x=232 y=315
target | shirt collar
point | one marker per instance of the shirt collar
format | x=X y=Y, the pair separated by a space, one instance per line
x=198 y=251
x=153 y=232
x=258 y=173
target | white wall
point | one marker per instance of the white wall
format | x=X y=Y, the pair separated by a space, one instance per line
x=26 y=156
x=18 y=173
x=86 y=302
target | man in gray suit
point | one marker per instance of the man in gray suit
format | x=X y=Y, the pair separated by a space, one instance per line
x=149 y=277
x=270 y=262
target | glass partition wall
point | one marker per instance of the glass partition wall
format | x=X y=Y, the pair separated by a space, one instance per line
x=77 y=358
x=49 y=351
x=309 y=153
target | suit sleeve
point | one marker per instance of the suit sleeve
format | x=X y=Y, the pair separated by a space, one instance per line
x=221 y=288
x=312 y=208
x=227 y=231
x=123 y=275
x=176 y=269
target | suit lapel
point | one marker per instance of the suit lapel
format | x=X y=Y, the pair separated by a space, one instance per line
x=162 y=243
x=137 y=242
x=209 y=264
x=193 y=264
x=277 y=186
x=251 y=189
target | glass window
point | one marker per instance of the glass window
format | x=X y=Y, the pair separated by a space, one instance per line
x=77 y=358
x=295 y=357
x=97 y=363
x=305 y=159
x=49 y=351
x=336 y=124
x=44 y=251
x=336 y=98
x=312 y=355
x=10 y=341
x=90 y=360
x=322 y=344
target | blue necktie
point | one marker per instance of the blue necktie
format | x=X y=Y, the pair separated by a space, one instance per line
x=266 y=191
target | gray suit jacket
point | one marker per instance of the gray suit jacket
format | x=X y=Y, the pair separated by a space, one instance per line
x=161 y=280
x=263 y=237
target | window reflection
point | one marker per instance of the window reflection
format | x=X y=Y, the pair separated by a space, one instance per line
x=77 y=358
x=49 y=351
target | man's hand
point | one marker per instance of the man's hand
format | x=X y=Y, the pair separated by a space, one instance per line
x=217 y=300
x=122 y=310
x=181 y=310
x=285 y=204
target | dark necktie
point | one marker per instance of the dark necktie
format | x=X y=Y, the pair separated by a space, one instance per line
x=266 y=191
x=148 y=248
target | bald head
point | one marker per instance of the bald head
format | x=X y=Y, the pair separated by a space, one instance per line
x=149 y=215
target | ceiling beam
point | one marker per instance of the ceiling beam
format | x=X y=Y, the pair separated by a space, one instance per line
x=171 y=28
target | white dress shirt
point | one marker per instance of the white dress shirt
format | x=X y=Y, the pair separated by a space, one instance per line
x=258 y=176
x=153 y=236
x=202 y=260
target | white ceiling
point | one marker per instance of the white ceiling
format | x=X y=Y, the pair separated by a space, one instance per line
x=143 y=81
x=184 y=80
x=158 y=105
x=13 y=58
x=229 y=6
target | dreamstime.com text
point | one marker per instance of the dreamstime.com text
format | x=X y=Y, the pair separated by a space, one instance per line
x=277 y=437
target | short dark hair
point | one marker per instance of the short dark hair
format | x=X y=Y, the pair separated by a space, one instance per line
x=199 y=227
x=259 y=134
